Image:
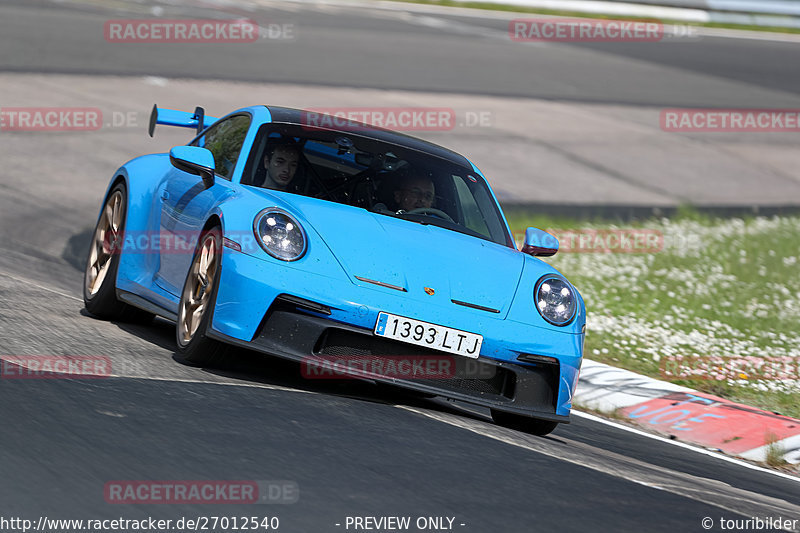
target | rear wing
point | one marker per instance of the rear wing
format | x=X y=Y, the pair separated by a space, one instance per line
x=184 y=119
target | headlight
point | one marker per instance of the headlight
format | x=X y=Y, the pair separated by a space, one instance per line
x=279 y=234
x=555 y=300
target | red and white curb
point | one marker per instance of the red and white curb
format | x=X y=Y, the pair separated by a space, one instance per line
x=687 y=415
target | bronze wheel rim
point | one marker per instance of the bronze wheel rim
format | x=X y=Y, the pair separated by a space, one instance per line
x=105 y=244
x=197 y=290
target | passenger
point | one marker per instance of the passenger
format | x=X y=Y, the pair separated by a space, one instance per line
x=281 y=162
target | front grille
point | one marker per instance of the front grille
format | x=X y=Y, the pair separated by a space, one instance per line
x=489 y=378
x=340 y=342
x=495 y=385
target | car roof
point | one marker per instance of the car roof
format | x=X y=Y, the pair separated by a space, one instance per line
x=290 y=115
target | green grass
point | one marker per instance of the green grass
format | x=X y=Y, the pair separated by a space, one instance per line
x=723 y=288
x=774 y=452
x=580 y=14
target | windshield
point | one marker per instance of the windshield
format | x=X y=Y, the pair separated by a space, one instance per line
x=381 y=177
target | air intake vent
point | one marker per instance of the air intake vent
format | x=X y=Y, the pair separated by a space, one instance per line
x=381 y=284
x=475 y=306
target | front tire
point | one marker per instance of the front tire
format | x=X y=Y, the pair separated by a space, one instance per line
x=198 y=298
x=534 y=426
x=100 y=275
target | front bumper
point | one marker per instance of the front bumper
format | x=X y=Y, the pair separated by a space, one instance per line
x=250 y=313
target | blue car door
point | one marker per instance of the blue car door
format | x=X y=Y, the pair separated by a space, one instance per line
x=186 y=201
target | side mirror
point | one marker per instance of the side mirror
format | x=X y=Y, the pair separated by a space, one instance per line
x=539 y=243
x=194 y=160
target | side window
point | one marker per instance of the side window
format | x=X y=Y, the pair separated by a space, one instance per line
x=225 y=141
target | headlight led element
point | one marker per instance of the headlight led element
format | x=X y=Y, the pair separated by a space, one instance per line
x=279 y=234
x=555 y=300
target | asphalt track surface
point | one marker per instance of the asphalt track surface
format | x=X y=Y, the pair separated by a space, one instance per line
x=354 y=47
x=571 y=124
x=352 y=448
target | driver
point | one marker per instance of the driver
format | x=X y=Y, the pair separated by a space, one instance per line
x=414 y=193
x=281 y=163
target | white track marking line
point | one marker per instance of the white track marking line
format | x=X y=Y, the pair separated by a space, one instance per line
x=25 y=364
x=685 y=445
x=705 y=490
x=42 y=287
x=227 y=383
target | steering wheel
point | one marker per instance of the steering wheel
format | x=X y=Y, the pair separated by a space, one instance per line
x=430 y=211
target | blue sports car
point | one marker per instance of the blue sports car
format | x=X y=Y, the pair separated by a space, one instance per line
x=354 y=250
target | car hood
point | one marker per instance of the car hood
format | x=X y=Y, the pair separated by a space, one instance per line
x=414 y=257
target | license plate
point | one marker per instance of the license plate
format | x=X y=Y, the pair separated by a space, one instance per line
x=431 y=335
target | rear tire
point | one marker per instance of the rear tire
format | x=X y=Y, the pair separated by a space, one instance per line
x=198 y=298
x=534 y=426
x=102 y=264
